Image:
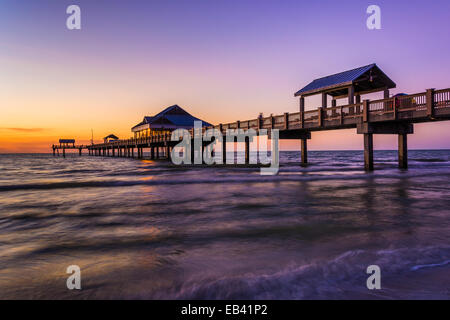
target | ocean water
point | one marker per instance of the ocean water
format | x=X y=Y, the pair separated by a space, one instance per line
x=142 y=229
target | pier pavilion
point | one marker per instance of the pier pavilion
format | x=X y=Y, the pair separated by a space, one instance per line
x=352 y=85
x=110 y=138
x=171 y=118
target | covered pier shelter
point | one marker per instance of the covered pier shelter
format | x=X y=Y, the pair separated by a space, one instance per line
x=351 y=85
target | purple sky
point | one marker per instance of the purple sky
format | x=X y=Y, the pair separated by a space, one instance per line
x=221 y=60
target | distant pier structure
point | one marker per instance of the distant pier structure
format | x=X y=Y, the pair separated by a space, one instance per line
x=67 y=144
x=391 y=115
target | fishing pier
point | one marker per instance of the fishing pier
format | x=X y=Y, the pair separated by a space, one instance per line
x=390 y=115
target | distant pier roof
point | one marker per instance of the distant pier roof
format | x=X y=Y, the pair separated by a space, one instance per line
x=170 y=118
x=111 y=136
x=66 y=140
x=365 y=79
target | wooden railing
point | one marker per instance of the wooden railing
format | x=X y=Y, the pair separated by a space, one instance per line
x=441 y=99
x=409 y=107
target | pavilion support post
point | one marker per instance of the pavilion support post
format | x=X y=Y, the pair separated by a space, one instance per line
x=304 y=151
x=157 y=152
x=368 y=151
x=333 y=104
x=366 y=111
x=386 y=96
x=403 y=151
x=324 y=100
x=321 y=110
x=351 y=99
x=132 y=152
x=64 y=152
x=302 y=110
x=351 y=95
x=53 y=151
x=358 y=100
x=152 y=153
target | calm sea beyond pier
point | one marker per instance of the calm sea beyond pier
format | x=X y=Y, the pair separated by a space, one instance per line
x=148 y=229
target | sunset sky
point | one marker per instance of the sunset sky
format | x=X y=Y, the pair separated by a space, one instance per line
x=221 y=60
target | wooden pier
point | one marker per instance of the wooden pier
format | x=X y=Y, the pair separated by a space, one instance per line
x=395 y=115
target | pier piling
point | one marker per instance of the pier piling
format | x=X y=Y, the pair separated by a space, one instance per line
x=403 y=151
x=368 y=151
x=304 y=151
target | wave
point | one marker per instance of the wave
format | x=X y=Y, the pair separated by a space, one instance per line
x=214 y=180
x=432 y=265
x=342 y=275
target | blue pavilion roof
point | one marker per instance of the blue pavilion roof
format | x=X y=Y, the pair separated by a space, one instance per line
x=343 y=79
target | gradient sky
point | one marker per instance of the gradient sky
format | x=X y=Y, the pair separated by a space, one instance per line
x=222 y=60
